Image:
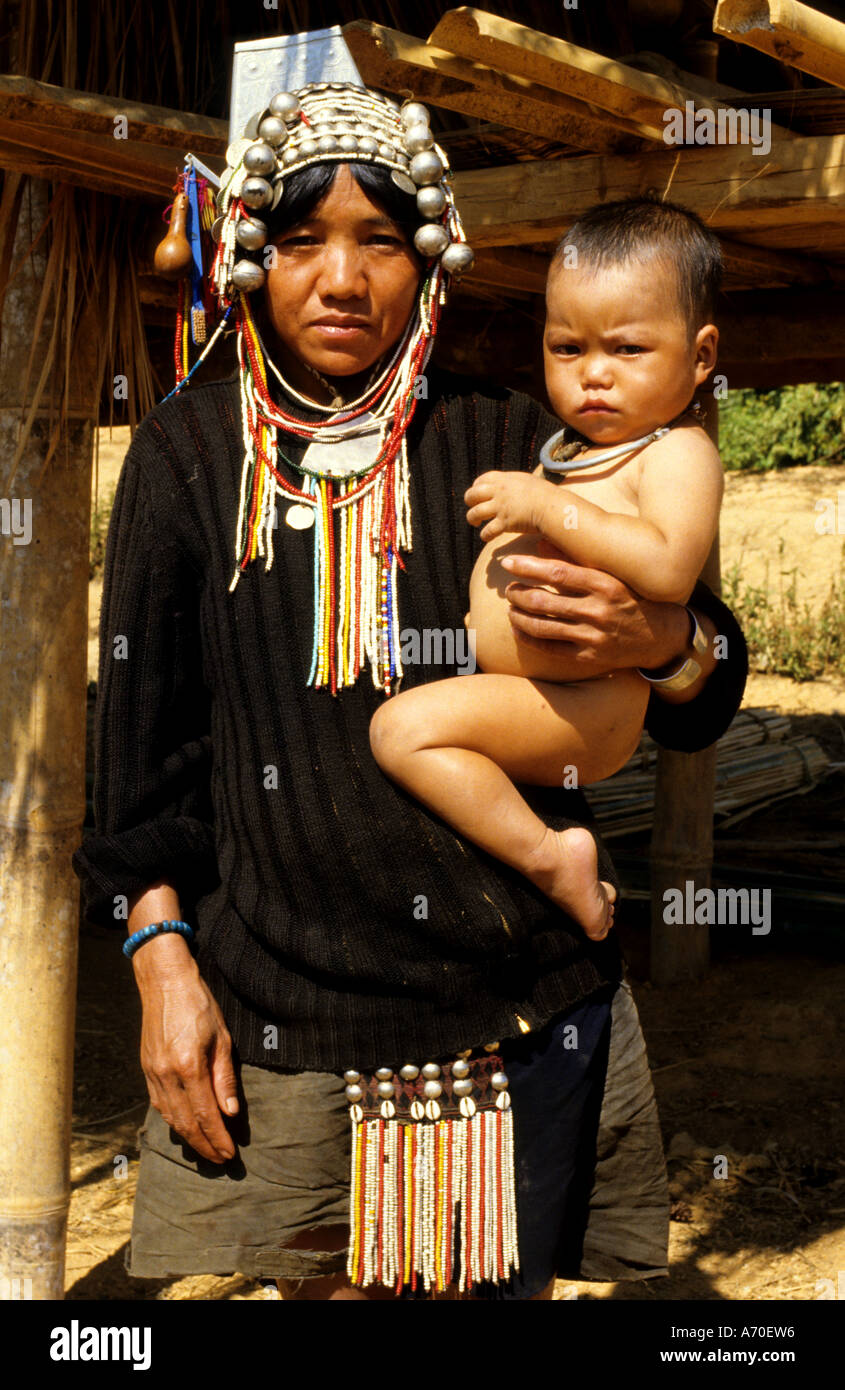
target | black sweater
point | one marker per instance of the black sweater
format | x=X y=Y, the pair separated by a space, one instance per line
x=326 y=900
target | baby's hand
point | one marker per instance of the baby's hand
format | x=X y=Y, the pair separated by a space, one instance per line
x=505 y=501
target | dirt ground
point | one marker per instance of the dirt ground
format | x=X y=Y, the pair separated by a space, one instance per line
x=747 y=1062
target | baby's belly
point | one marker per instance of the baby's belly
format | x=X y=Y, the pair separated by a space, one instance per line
x=498 y=649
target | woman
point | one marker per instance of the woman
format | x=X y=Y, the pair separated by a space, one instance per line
x=340 y=927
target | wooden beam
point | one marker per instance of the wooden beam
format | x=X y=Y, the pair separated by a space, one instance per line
x=801 y=184
x=509 y=268
x=61 y=108
x=598 y=81
x=100 y=162
x=396 y=63
x=794 y=34
x=758 y=265
x=767 y=326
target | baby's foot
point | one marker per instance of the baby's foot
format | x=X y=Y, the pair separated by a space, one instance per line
x=565 y=867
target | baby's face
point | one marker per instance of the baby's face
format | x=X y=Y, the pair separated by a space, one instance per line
x=619 y=357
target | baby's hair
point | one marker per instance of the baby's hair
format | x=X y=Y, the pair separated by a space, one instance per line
x=644 y=228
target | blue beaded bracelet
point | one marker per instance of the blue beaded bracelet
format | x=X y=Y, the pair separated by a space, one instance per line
x=138 y=938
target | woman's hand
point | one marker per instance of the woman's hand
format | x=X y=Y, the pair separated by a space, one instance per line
x=506 y=501
x=604 y=624
x=186 y=1050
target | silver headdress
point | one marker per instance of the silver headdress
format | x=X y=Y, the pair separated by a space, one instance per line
x=322 y=123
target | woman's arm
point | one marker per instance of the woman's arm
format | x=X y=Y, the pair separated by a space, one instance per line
x=603 y=626
x=186 y=1049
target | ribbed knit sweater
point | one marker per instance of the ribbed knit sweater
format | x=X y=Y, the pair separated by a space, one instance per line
x=339 y=922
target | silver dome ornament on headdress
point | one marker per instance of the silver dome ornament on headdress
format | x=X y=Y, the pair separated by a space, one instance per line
x=431 y=239
x=256 y=192
x=251 y=234
x=259 y=158
x=337 y=122
x=248 y=276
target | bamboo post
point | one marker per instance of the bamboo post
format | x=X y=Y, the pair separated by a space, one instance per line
x=43 y=632
x=682 y=834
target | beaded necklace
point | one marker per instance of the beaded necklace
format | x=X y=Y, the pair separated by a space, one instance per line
x=356 y=563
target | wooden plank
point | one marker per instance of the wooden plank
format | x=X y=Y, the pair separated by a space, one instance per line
x=60 y=108
x=396 y=63
x=801 y=184
x=509 y=268
x=93 y=161
x=793 y=33
x=744 y=261
x=595 y=79
x=779 y=325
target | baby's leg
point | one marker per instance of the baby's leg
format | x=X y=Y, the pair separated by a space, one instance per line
x=456 y=744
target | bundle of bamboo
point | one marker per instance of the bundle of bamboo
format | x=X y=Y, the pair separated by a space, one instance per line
x=758 y=762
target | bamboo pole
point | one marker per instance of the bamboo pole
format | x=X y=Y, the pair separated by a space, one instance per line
x=43 y=632
x=682 y=835
x=794 y=34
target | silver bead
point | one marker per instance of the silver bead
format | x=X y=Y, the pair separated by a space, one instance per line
x=259 y=158
x=431 y=200
x=349 y=144
x=248 y=276
x=457 y=258
x=256 y=192
x=385 y=1089
x=460 y=1069
x=290 y=155
x=426 y=167
x=384 y=1073
x=251 y=234
x=409 y=1072
x=431 y=1071
x=273 y=130
x=367 y=145
x=217 y=228
x=432 y=1089
x=354 y=1093
x=285 y=105
x=307 y=147
x=350 y=1077
x=387 y=151
x=418 y=138
x=327 y=144
x=499 y=1081
x=414 y=113
x=431 y=239
x=462 y=1087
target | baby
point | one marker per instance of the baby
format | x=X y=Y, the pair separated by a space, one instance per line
x=628 y=339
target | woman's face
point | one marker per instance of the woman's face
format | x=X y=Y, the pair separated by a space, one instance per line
x=343 y=283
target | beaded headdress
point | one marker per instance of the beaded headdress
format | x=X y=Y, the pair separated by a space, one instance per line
x=354 y=485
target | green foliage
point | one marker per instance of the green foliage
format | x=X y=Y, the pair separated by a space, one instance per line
x=784 y=636
x=786 y=426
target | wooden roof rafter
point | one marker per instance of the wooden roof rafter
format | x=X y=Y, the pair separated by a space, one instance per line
x=791 y=32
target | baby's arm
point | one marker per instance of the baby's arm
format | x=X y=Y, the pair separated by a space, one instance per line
x=659 y=553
